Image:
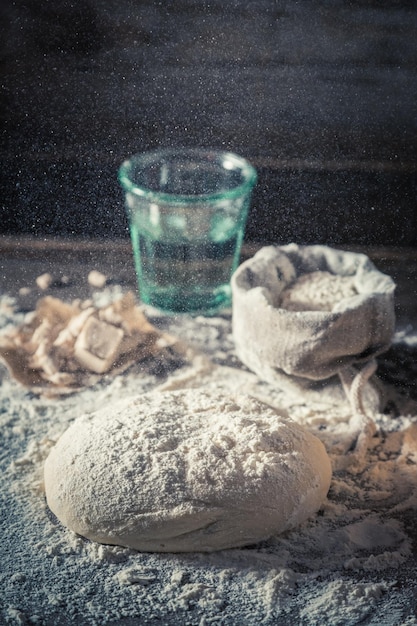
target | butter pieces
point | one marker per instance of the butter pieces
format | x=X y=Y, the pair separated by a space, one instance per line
x=97 y=345
x=63 y=347
x=97 y=279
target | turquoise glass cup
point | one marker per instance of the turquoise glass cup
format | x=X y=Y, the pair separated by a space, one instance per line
x=187 y=211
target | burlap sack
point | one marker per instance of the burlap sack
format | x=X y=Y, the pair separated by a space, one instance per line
x=313 y=345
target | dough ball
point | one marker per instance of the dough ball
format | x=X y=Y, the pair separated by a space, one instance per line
x=187 y=470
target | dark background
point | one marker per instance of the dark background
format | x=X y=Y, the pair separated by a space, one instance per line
x=321 y=96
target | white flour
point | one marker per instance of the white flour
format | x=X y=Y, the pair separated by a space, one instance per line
x=350 y=564
x=317 y=291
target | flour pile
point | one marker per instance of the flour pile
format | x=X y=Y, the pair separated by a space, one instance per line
x=317 y=291
x=310 y=312
x=351 y=563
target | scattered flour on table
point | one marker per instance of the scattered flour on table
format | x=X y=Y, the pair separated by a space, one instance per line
x=350 y=564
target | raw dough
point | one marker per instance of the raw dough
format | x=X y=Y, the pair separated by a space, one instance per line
x=185 y=470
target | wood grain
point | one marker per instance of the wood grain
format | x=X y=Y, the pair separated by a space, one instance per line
x=321 y=97
x=23 y=259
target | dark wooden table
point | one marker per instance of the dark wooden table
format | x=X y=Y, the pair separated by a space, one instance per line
x=358 y=499
x=23 y=259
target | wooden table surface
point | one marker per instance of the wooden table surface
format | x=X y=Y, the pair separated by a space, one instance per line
x=23 y=259
x=379 y=577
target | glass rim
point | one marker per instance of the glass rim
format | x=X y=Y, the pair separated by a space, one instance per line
x=124 y=175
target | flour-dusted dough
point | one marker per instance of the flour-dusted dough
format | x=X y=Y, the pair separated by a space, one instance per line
x=185 y=470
